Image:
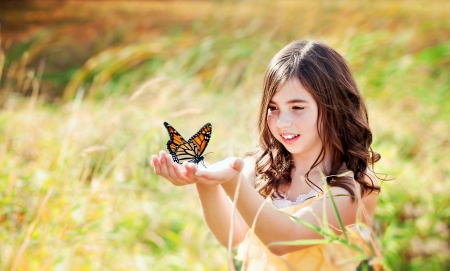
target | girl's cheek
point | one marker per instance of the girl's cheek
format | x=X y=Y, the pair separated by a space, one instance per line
x=272 y=124
x=272 y=120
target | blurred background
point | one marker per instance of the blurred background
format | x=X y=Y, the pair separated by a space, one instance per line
x=85 y=87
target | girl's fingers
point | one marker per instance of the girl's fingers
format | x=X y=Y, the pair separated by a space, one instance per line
x=170 y=167
x=189 y=173
x=191 y=168
x=218 y=175
x=237 y=164
x=164 y=166
x=178 y=171
x=154 y=162
x=221 y=172
x=167 y=169
x=201 y=173
x=162 y=154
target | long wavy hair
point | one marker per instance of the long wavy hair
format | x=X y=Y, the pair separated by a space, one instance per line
x=343 y=124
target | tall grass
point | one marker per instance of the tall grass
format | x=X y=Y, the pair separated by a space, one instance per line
x=77 y=192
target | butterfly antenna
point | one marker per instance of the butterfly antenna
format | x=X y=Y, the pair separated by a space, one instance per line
x=203 y=163
x=206 y=154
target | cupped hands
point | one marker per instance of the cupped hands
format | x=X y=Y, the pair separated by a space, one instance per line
x=220 y=172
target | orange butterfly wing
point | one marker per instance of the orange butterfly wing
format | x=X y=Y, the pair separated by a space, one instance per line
x=201 y=138
x=191 y=150
x=175 y=138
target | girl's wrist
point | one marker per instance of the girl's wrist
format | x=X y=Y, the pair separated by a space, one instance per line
x=230 y=186
x=206 y=187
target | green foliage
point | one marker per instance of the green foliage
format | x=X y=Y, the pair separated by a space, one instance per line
x=77 y=192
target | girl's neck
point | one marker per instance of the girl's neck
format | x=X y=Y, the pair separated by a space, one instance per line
x=303 y=165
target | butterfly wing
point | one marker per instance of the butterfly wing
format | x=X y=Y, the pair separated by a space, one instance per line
x=175 y=139
x=201 y=138
x=187 y=151
x=191 y=150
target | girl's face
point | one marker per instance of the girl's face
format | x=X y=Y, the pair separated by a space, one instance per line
x=292 y=119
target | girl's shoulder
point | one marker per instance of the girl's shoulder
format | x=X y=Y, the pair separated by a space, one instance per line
x=249 y=169
x=370 y=198
x=372 y=181
x=369 y=177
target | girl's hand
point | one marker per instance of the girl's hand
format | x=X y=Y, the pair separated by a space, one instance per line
x=190 y=173
x=221 y=172
x=177 y=174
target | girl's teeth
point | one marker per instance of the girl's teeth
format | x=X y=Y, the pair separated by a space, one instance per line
x=289 y=136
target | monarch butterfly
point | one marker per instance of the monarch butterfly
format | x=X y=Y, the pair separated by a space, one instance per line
x=191 y=150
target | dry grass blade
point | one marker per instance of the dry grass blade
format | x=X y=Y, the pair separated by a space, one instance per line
x=231 y=234
x=19 y=254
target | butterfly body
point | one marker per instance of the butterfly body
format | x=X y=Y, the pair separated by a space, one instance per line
x=188 y=150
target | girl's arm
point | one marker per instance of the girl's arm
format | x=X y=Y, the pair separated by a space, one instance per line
x=217 y=209
x=272 y=225
x=216 y=205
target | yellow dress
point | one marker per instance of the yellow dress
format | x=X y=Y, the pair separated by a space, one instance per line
x=325 y=257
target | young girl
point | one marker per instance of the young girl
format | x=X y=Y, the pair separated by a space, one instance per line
x=313 y=123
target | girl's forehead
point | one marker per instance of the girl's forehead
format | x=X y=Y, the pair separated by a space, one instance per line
x=292 y=89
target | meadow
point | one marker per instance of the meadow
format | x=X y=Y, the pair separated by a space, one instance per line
x=83 y=98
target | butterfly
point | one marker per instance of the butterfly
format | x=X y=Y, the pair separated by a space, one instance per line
x=191 y=150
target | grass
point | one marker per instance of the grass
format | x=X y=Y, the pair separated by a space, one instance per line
x=77 y=192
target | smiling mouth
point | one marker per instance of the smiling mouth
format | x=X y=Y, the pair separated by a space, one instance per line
x=289 y=136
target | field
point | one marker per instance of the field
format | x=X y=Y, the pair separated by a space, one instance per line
x=86 y=86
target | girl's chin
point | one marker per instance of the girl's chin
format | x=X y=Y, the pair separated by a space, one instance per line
x=292 y=149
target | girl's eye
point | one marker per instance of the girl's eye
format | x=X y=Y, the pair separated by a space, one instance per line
x=272 y=108
x=298 y=108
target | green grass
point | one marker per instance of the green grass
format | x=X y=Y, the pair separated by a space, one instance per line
x=77 y=192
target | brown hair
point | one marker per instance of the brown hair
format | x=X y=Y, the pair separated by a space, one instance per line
x=343 y=124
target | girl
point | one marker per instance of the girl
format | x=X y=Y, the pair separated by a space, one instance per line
x=313 y=123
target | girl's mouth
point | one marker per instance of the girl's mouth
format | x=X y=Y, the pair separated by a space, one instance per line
x=291 y=138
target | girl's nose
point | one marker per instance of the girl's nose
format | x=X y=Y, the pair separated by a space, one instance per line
x=284 y=120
